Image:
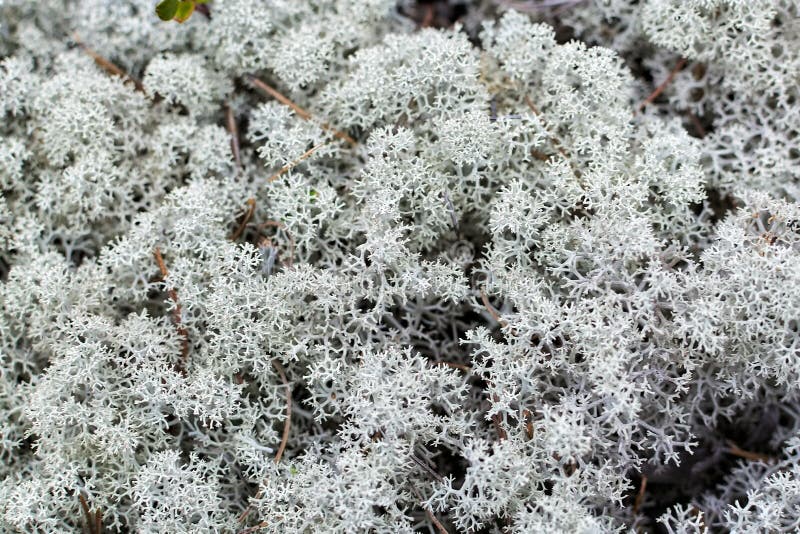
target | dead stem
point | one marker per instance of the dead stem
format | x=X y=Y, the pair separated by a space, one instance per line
x=498 y=421
x=528 y=423
x=491 y=310
x=292 y=164
x=640 y=496
x=302 y=113
x=86 y=513
x=748 y=455
x=284 y=439
x=233 y=129
x=94 y=522
x=660 y=89
x=176 y=312
x=107 y=65
x=251 y=207
x=431 y=516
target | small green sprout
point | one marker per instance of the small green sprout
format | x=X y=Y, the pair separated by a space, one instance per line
x=177 y=10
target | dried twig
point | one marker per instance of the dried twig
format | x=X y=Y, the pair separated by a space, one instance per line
x=233 y=129
x=107 y=65
x=86 y=512
x=748 y=455
x=528 y=423
x=292 y=164
x=698 y=126
x=94 y=522
x=176 y=312
x=640 y=496
x=660 y=89
x=491 y=310
x=251 y=207
x=431 y=516
x=302 y=113
x=498 y=422
x=284 y=440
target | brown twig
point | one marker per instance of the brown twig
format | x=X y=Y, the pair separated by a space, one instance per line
x=288 y=423
x=663 y=85
x=640 y=496
x=698 y=126
x=528 y=423
x=284 y=438
x=86 y=513
x=292 y=164
x=251 y=207
x=498 y=422
x=302 y=113
x=491 y=310
x=107 y=65
x=428 y=512
x=94 y=522
x=233 y=129
x=176 y=312
x=748 y=455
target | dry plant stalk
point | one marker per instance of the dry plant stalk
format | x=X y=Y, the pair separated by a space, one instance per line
x=660 y=89
x=107 y=65
x=233 y=129
x=251 y=208
x=302 y=113
x=94 y=522
x=284 y=439
x=176 y=312
x=292 y=164
x=640 y=495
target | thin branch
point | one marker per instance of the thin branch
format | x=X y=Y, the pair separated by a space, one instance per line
x=431 y=516
x=491 y=310
x=748 y=455
x=288 y=423
x=302 y=113
x=98 y=521
x=640 y=496
x=528 y=423
x=233 y=129
x=251 y=207
x=660 y=89
x=292 y=164
x=107 y=65
x=284 y=440
x=86 y=513
x=698 y=126
x=176 y=312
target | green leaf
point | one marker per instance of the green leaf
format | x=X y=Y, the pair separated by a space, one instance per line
x=184 y=11
x=166 y=9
